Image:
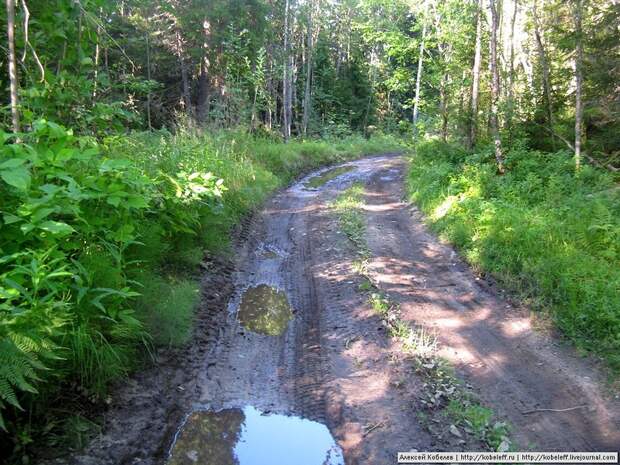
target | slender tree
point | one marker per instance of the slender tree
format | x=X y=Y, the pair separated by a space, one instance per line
x=287 y=98
x=544 y=65
x=308 y=89
x=493 y=117
x=10 y=18
x=475 y=83
x=577 y=13
x=418 y=80
x=511 y=70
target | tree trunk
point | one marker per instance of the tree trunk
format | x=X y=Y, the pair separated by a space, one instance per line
x=418 y=79
x=295 y=123
x=511 y=71
x=148 y=76
x=542 y=56
x=202 y=103
x=307 y=92
x=286 y=80
x=578 y=82
x=271 y=92
x=443 y=102
x=494 y=119
x=187 y=100
x=96 y=66
x=475 y=86
x=10 y=20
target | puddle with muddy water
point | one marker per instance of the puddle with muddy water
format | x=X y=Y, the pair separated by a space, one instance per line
x=249 y=437
x=265 y=310
x=317 y=181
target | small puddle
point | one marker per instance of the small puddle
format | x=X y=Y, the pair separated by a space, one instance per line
x=269 y=254
x=249 y=437
x=265 y=310
x=320 y=180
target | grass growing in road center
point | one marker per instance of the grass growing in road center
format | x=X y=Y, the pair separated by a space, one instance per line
x=348 y=207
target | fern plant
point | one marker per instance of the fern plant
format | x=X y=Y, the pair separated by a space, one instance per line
x=32 y=313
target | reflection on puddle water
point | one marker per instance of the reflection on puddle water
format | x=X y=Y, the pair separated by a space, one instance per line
x=318 y=181
x=265 y=310
x=249 y=437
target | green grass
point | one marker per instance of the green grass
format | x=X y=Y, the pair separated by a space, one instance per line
x=167 y=306
x=548 y=234
x=348 y=207
x=478 y=420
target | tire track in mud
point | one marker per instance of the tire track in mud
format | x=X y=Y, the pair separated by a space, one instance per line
x=334 y=363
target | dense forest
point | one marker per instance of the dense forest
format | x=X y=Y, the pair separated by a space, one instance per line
x=136 y=134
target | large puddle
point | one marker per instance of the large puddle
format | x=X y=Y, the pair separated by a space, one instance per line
x=317 y=181
x=265 y=310
x=249 y=437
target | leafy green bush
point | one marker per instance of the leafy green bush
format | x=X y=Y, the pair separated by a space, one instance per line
x=69 y=218
x=542 y=230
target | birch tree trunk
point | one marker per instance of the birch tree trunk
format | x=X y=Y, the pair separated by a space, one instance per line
x=475 y=85
x=418 y=79
x=493 y=117
x=10 y=20
x=578 y=82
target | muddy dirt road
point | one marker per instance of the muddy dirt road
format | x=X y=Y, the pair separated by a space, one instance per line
x=299 y=339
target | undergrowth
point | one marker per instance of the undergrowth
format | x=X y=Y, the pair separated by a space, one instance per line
x=548 y=234
x=99 y=247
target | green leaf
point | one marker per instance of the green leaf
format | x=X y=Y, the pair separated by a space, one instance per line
x=26 y=228
x=12 y=163
x=42 y=213
x=9 y=218
x=18 y=177
x=56 y=227
x=136 y=201
x=113 y=165
x=113 y=200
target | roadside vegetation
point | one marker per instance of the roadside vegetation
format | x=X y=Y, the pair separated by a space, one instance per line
x=550 y=235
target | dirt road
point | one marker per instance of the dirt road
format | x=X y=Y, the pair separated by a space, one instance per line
x=319 y=352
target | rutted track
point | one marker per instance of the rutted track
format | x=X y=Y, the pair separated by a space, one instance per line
x=334 y=363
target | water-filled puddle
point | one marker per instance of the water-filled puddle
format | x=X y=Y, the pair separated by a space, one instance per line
x=265 y=310
x=320 y=180
x=248 y=437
